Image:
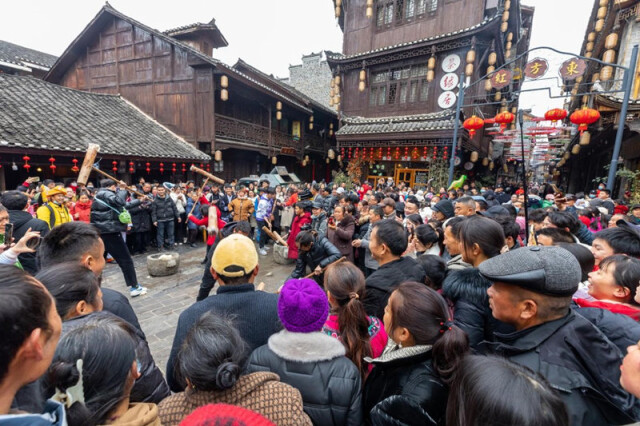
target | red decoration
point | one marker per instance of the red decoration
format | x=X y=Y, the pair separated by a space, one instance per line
x=148 y=167
x=75 y=168
x=583 y=117
x=114 y=163
x=388 y=153
x=444 y=155
x=473 y=124
x=52 y=166
x=26 y=165
x=208 y=167
x=503 y=119
x=173 y=168
x=184 y=168
x=161 y=167
x=131 y=167
x=555 y=114
x=424 y=152
x=397 y=153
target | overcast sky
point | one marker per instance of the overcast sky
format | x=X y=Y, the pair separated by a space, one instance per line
x=268 y=34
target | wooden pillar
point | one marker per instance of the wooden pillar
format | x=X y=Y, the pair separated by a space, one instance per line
x=3 y=182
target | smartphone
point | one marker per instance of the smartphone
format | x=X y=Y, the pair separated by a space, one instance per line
x=8 y=233
x=34 y=242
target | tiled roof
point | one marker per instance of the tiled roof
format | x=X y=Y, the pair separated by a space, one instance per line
x=210 y=27
x=22 y=57
x=35 y=114
x=442 y=120
x=339 y=57
x=169 y=32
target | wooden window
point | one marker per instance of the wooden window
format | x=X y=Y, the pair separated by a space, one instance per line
x=424 y=91
x=413 y=91
x=403 y=93
x=421 y=6
x=410 y=9
x=382 y=95
x=388 y=14
x=432 y=6
x=373 y=96
x=391 y=13
x=399 y=86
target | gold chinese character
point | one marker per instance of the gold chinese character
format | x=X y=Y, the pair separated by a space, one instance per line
x=535 y=68
x=501 y=77
x=572 y=68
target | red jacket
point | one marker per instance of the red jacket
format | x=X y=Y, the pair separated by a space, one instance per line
x=298 y=222
x=205 y=222
x=83 y=210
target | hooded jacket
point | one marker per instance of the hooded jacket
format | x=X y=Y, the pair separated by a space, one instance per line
x=141 y=218
x=261 y=392
x=296 y=225
x=579 y=362
x=384 y=280
x=22 y=221
x=314 y=363
x=322 y=253
x=466 y=289
x=104 y=213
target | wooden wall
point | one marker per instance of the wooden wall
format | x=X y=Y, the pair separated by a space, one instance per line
x=150 y=73
x=361 y=33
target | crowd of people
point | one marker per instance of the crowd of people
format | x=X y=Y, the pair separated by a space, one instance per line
x=474 y=306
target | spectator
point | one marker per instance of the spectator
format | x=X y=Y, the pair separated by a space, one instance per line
x=435 y=269
x=309 y=360
x=340 y=231
x=210 y=366
x=635 y=214
x=54 y=212
x=525 y=398
x=235 y=265
x=408 y=384
x=452 y=244
x=389 y=208
x=318 y=219
x=264 y=213
x=241 y=207
x=82 y=208
x=443 y=210
x=605 y=195
x=163 y=214
x=554 y=236
x=362 y=335
x=301 y=217
x=225 y=201
x=619 y=240
x=17 y=204
x=532 y=289
x=315 y=253
x=370 y=264
x=465 y=206
x=138 y=238
x=388 y=243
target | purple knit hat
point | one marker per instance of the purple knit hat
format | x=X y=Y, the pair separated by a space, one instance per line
x=302 y=306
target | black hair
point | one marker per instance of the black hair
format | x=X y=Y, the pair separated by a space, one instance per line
x=426 y=235
x=304 y=238
x=495 y=391
x=413 y=200
x=484 y=232
x=511 y=209
x=107 y=347
x=537 y=215
x=584 y=256
x=24 y=306
x=622 y=240
x=415 y=218
x=106 y=183
x=212 y=355
x=455 y=223
x=377 y=210
x=67 y=243
x=14 y=200
x=468 y=201
x=435 y=268
x=557 y=235
x=626 y=273
x=391 y=233
x=606 y=191
x=425 y=313
x=316 y=187
x=483 y=206
x=69 y=283
x=565 y=220
x=509 y=226
x=244 y=227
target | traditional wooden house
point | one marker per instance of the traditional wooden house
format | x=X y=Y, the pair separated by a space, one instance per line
x=396 y=82
x=611 y=32
x=246 y=120
x=20 y=60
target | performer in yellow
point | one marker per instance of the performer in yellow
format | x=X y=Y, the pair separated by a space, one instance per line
x=54 y=212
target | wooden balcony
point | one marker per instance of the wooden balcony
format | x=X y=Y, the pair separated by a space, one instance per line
x=244 y=132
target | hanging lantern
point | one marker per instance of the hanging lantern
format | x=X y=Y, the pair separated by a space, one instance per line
x=503 y=119
x=473 y=124
x=26 y=165
x=331 y=154
x=306 y=158
x=75 y=168
x=609 y=56
x=591 y=36
x=555 y=114
x=278 y=110
x=505 y=16
x=606 y=72
x=224 y=95
x=504 y=27
x=208 y=167
x=491 y=165
x=599 y=25
x=338 y=6
x=471 y=58
x=584 y=117
x=173 y=168
x=330 y=129
x=184 y=168
x=148 y=167
x=611 y=41
x=602 y=12
x=274 y=160
x=131 y=167
x=445 y=154
x=576 y=149
x=328 y=161
x=485 y=161
x=424 y=152
x=474 y=156
x=505 y=168
x=397 y=153
x=161 y=167
x=311 y=123
x=52 y=166
x=363 y=76
x=369 y=10
x=217 y=155
x=566 y=155
x=585 y=138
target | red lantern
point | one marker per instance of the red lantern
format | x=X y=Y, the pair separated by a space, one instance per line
x=424 y=152
x=52 y=166
x=444 y=155
x=555 y=114
x=201 y=165
x=208 y=167
x=148 y=167
x=161 y=167
x=397 y=153
x=173 y=167
x=583 y=117
x=388 y=153
x=26 y=162
x=114 y=163
x=184 y=168
x=75 y=168
x=406 y=152
x=473 y=124
x=503 y=119
x=131 y=167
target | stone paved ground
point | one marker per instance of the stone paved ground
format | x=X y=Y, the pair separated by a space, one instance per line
x=159 y=309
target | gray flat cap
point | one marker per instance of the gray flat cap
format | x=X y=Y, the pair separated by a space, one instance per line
x=552 y=271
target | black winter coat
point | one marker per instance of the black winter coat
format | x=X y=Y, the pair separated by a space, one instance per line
x=163 y=209
x=579 y=362
x=384 y=280
x=584 y=235
x=141 y=218
x=622 y=330
x=104 y=217
x=322 y=253
x=404 y=391
x=22 y=221
x=466 y=289
x=150 y=386
x=314 y=363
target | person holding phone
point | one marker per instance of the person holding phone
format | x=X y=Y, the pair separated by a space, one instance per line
x=9 y=251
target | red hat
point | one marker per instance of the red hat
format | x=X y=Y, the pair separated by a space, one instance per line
x=224 y=414
x=520 y=191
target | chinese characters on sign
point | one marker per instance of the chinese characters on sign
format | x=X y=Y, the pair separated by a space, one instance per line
x=536 y=68
x=447 y=100
x=450 y=63
x=501 y=78
x=449 y=81
x=572 y=68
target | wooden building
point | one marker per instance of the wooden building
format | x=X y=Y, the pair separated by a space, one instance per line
x=611 y=32
x=396 y=83
x=244 y=118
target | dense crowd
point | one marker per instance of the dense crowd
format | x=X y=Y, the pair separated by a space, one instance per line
x=473 y=306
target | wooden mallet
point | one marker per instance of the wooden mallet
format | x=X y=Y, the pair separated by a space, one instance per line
x=274 y=236
x=199 y=195
x=325 y=268
x=207 y=175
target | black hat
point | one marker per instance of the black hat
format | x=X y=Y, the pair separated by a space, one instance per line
x=552 y=270
x=495 y=211
x=316 y=205
x=304 y=195
x=445 y=207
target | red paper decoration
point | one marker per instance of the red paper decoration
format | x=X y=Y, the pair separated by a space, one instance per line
x=555 y=114
x=131 y=167
x=148 y=167
x=397 y=153
x=424 y=152
x=388 y=153
x=75 y=168
x=26 y=165
x=208 y=167
x=444 y=155
x=161 y=167
x=473 y=124
x=114 y=163
x=173 y=167
x=503 y=119
x=583 y=117
x=184 y=168
x=52 y=166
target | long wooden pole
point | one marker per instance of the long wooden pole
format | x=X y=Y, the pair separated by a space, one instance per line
x=325 y=268
x=199 y=195
x=207 y=174
x=274 y=236
x=107 y=175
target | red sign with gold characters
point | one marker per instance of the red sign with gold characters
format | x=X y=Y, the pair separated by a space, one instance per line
x=536 y=68
x=501 y=78
x=572 y=68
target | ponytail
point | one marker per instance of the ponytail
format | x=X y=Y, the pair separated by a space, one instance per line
x=448 y=351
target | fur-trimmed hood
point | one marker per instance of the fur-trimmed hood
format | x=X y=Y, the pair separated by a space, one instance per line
x=305 y=347
x=466 y=284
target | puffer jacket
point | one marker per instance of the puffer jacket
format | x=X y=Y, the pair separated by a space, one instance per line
x=141 y=218
x=620 y=329
x=322 y=253
x=584 y=235
x=163 y=210
x=466 y=289
x=342 y=236
x=150 y=386
x=103 y=216
x=404 y=389
x=314 y=363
